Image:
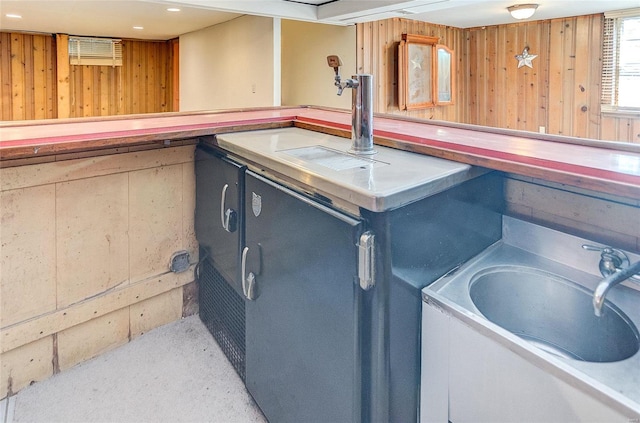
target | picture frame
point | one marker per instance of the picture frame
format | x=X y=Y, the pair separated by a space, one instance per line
x=445 y=72
x=425 y=73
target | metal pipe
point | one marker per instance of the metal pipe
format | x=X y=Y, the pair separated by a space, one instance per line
x=609 y=282
x=362 y=115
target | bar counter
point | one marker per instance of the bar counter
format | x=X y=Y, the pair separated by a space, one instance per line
x=602 y=166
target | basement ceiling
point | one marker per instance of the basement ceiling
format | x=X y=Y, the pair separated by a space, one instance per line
x=117 y=18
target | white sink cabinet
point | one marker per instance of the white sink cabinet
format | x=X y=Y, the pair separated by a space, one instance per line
x=469 y=377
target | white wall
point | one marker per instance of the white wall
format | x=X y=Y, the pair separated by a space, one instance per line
x=255 y=61
x=230 y=65
x=306 y=77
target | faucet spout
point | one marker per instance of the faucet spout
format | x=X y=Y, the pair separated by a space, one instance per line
x=609 y=282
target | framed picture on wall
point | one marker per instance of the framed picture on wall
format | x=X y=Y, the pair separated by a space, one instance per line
x=425 y=73
x=445 y=72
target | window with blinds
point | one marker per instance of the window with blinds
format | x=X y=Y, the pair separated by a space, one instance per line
x=95 y=51
x=621 y=61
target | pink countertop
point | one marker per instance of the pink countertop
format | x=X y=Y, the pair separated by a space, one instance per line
x=596 y=167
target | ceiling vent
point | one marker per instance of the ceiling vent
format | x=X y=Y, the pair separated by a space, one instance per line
x=95 y=51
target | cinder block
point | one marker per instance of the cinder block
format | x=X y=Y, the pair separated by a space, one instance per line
x=92 y=236
x=156 y=311
x=189 y=209
x=90 y=167
x=92 y=338
x=23 y=365
x=155 y=215
x=28 y=253
x=190 y=304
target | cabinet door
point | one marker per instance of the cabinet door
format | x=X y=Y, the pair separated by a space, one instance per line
x=301 y=332
x=219 y=229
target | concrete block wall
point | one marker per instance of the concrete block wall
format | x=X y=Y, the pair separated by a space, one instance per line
x=85 y=251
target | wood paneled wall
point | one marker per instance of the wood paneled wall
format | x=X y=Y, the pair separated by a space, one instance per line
x=143 y=84
x=377 y=54
x=607 y=219
x=560 y=94
x=38 y=83
x=499 y=93
x=27 y=76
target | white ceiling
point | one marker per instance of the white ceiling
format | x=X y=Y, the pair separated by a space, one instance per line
x=116 y=18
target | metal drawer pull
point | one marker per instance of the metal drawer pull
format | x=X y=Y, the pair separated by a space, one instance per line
x=248 y=281
x=366 y=262
x=225 y=222
x=227 y=216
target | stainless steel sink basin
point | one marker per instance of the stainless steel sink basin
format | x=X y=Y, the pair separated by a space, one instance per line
x=531 y=293
x=553 y=313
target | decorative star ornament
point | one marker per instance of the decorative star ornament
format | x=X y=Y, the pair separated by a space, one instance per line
x=416 y=62
x=525 y=58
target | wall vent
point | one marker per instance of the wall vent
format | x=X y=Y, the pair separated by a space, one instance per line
x=95 y=51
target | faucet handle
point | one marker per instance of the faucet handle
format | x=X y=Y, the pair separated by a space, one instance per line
x=611 y=260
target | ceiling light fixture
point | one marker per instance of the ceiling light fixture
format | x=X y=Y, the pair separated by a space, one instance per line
x=138 y=27
x=522 y=11
x=13 y=16
x=173 y=9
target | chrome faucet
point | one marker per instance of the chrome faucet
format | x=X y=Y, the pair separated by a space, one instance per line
x=616 y=268
x=361 y=107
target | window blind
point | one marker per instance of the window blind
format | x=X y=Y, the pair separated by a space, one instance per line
x=95 y=51
x=620 y=61
x=610 y=55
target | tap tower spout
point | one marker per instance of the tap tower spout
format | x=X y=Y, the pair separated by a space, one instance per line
x=361 y=107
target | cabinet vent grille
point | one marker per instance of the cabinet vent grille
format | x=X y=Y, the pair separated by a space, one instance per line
x=222 y=311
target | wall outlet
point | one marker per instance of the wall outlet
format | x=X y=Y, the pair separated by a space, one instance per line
x=542 y=129
x=179 y=261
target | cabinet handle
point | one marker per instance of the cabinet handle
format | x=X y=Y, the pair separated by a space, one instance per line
x=366 y=261
x=227 y=216
x=223 y=200
x=248 y=281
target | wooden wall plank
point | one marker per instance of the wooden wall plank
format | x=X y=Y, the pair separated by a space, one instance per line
x=86 y=90
x=51 y=88
x=533 y=77
x=481 y=74
x=634 y=135
x=173 y=94
x=492 y=109
x=63 y=87
x=568 y=75
x=595 y=72
x=39 y=78
x=522 y=76
x=5 y=76
x=28 y=81
x=581 y=85
x=555 y=77
x=18 y=83
x=132 y=85
x=543 y=81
